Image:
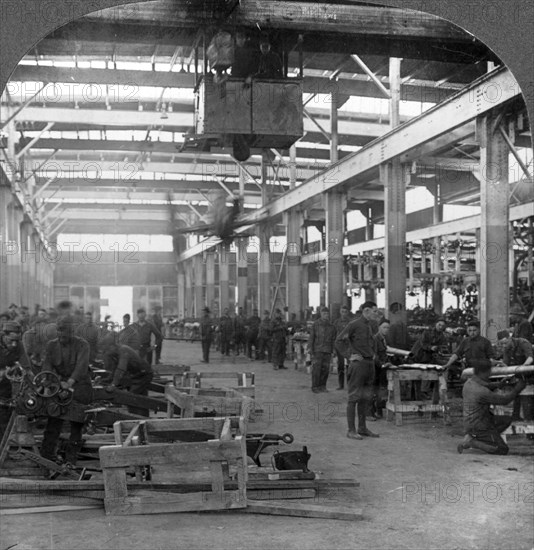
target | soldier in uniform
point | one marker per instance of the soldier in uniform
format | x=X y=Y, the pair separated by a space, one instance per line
x=11 y=352
x=206 y=334
x=278 y=335
x=68 y=357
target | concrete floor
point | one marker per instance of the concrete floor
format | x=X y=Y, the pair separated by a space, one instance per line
x=416 y=492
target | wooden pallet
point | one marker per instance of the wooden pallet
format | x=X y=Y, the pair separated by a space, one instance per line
x=242 y=382
x=197 y=402
x=216 y=458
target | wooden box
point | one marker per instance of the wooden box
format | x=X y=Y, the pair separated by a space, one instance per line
x=223 y=108
x=277 y=112
x=220 y=458
x=207 y=402
x=243 y=382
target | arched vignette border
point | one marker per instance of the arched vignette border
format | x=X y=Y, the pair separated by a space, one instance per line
x=505 y=26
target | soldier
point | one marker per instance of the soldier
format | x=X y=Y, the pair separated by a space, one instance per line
x=157 y=321
x=68 y=357
x=340 y=323
x=146 y=330
x=206 y=334
x=253 y=328
x=264 y=337
x=321 y=345
x=11 y=352
x=129 y=370
x=361 y=350
x=278 y=335
x=129 y=336
x=89 y=332
x=226 y=332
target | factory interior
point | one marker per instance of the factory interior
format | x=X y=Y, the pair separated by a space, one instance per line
x=266 y=277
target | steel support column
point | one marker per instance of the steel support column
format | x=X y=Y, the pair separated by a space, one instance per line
x=242 y=274
x=437 y=290
x=392 y=175
x=264 y=259
x=494 y=231
x=210 y=279
x=224 y=278
x=198 y=268
x=189 y=300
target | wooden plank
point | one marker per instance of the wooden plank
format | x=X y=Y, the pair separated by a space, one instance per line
x=173 y=424
x=225 y=432
x=397 y=399
x=133 y=432
x=115 y=483
x=43 y=509
x=163 y=503
x=32 y=500
x=183 y=454
x=306 y=510
x=277 y=494
x=414 y=406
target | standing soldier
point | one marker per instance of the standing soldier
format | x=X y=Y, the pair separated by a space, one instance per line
x=279 y=333
x=321 y=345
x=361 y=350
x=240 y=331
x=340 y=323
x=253 y=328
x=146 y=329
x=226 y=330
x=157 y=321
x=206 y=334
x=128 y=336
x=264 y=337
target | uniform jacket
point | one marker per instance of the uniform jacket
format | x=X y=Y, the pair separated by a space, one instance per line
x=124 y=360
x=322 y=337
x=359 y=335
x=70 y=361
x=517 y=351
x=145 y=331
x=475 y=348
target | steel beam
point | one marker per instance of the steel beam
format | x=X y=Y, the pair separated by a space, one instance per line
x=461 y=225
x=441 y=119
x=372 y=76
x=34 y=140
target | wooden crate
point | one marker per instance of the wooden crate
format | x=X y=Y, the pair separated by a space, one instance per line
x=218 y=458
x=397 y=408
x=243 y=382
x=205 y=401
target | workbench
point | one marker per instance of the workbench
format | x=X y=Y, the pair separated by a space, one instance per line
x=396 y=407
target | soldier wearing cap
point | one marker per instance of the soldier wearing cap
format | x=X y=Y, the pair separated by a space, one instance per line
x=206 y=334
x=68 y=357
x=321 y=346
x=278 y=334
x=264 y=337
x=11 y=352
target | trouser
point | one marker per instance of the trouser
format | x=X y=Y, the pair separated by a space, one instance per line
x=278 y=352
x=252 y=342
x=225 y=345
x=320 y=369
x=240 y=342
x=145 y=352
x=51 y=438
x=264 y=345
x=139 y=385
x=340 y=370
x=360 y=380
x=490 y=441
x=206 y=350
x=158 y=352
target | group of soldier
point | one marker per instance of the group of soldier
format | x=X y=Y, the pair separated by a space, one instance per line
x=66 y=343
x=258 y=338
